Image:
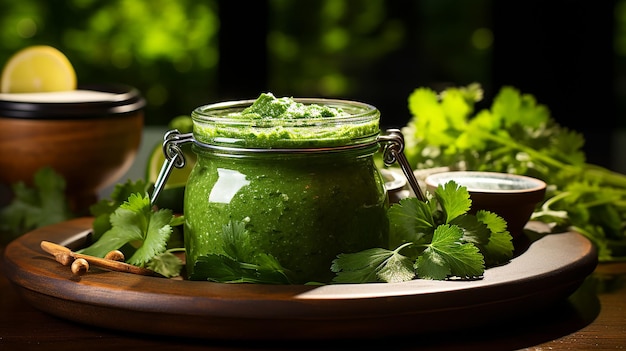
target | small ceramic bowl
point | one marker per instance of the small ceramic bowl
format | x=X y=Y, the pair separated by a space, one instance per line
x=513 y=197
x=90 y=136
x=395 y=184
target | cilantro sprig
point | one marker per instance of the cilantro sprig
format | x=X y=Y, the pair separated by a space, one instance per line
x=434 y=239
x=136 y=228
x=516 y=134
x=103 y=209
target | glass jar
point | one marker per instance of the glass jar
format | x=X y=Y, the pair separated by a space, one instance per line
x=305 y=189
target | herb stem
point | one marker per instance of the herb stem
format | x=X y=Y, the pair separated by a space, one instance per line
x=605 y=176
x=532 y=152
x=590 y=172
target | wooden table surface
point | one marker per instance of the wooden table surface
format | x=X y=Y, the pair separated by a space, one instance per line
x=592 y=318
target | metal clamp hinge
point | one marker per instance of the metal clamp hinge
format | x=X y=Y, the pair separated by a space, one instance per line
x=174 y=157
x=394 y=152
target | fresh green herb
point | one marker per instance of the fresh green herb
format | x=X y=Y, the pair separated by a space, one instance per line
x=103 y=209
x=447 y=255
x=434 y=239
x=43 y=204
x=517 y=135
x=139 y=230
x=240 y=263
x=167 y=264
x=373 y=265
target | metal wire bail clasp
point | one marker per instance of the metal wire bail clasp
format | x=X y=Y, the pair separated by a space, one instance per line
x=394 y=151
x=174 y=157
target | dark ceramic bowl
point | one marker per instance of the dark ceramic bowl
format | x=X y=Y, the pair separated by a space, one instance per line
x=513 y=197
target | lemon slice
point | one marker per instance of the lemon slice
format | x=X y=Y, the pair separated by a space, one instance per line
x=39 y=68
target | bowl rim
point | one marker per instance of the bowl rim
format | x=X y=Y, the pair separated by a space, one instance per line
x=126 y=100
x=535 y=184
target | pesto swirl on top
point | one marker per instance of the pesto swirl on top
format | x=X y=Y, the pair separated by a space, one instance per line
x=269 y=106
x=271 y=122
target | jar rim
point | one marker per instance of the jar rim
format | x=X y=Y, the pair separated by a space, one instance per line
x=200 y=112
x=216 y=124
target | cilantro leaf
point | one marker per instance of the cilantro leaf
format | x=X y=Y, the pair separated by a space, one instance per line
x=454 y=200
x=167 y=264
x=103 y=209
x=136 y=224
x=373 y=265
x=522 y=109
x=219 y=268
x=225 y=269
x=154 y=235
x=424 y=102
x=474 y=230
x=236 y=241
x=410 y=221
x=239 y=263
x=499 y=248
x=397 y=268
x=447 y=256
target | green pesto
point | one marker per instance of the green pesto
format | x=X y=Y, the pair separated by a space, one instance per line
x=268 y=106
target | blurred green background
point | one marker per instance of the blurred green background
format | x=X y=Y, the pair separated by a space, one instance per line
x=182 y=53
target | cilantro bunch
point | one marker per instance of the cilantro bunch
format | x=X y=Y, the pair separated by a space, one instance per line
x=518 y=135
x=433 y=239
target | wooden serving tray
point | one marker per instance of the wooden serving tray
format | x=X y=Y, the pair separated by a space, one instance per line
x=551 y=268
